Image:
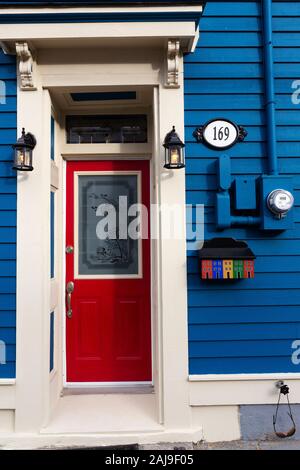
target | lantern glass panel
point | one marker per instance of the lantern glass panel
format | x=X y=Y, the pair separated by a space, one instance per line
x=174 y=156
x=23 y=158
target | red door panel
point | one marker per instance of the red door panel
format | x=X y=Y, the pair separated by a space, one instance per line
x=108 y=337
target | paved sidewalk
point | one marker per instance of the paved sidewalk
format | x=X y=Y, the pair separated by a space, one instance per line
x=278 y=444
x=282 y=444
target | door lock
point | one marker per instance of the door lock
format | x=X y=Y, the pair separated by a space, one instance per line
x=69 y=249
x=70 y=290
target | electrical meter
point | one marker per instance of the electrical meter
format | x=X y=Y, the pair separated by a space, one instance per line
x=280 y=202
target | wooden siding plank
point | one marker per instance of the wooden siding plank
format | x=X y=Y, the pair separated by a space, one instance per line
x=210 y=219
x=235 y=86
x=7 y=71
x=205 y=70
x=286 y=24
x=8 y=201
x=8 y=121
x=220 y=55
x=232 y=24
x=209 y=182
x=233 y=332
x=245 y=298
x=8 y=185
x=237 y=39
x=7 y=286
x=7 y=268
x=243 y=365
x=290 y=39
x=244 y=150
x=249 y=314
x=8 y=318
x=6 y=170
x=6 y=153
x=238 y=101
x=7 y=251
x=10 y=104
x=203 y=102
x=7 y=234
x=232 y=86
x=8 y=218
x=8 y=371
x=255 y=348
x=230 y=9
x=240 y=166
x=245 y=118
x=7 y=302
x=7 y=136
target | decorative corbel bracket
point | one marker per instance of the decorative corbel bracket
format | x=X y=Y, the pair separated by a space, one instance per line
x=25 y=66
x=172 y=64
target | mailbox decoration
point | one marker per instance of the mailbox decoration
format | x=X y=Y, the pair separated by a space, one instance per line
x=226 y=258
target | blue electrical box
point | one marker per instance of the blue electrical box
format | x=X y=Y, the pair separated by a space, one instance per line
x=223 y=216
x=272 y=217
x=224 y=172
x=245 y=193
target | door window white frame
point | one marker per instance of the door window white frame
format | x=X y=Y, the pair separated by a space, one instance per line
x=77 y=174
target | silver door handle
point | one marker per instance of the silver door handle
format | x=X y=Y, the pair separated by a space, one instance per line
x=70 y=289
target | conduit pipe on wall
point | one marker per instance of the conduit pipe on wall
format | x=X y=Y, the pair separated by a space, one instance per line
x=269 y=86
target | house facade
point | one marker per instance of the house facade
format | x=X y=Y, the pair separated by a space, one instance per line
x=156 y=337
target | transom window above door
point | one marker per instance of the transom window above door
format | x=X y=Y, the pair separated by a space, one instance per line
x=101 y=129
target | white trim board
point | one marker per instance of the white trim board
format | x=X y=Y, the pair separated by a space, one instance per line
x=241 y=392
x=152 y=31
x=7 y=381
x=101 y=9
x=103 y=385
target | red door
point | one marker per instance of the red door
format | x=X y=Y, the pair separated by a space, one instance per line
x=108 y=313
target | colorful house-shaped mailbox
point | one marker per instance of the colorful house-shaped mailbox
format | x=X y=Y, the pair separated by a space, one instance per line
x=226 y=258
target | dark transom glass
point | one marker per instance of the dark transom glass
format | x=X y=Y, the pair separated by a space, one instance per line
x=109 y=129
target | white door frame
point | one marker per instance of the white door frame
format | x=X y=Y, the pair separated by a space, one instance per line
x=35 y=396
x=101 y=385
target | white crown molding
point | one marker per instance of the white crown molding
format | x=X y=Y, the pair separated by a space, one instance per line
x=172 y=64
x=25 y=66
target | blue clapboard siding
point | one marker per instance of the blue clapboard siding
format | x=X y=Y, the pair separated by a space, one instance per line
x=8 y=201
x=249 y=326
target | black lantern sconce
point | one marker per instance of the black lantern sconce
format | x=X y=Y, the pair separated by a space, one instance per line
x=174 y=151
x=23 y=152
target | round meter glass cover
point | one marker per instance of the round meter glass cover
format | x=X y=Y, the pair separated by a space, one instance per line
x=280 y=201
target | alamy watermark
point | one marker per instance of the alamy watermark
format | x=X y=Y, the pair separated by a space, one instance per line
x=296 y=93
x=2 y=352
x=177 y=222
x=2 y=92
x=296 y=353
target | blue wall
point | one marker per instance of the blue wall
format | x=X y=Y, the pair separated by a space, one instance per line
x=249 y=326
x=8 y=123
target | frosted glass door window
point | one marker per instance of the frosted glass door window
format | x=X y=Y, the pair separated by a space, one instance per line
x=99 y=213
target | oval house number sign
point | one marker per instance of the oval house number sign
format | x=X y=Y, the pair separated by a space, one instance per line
x=220 y=134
